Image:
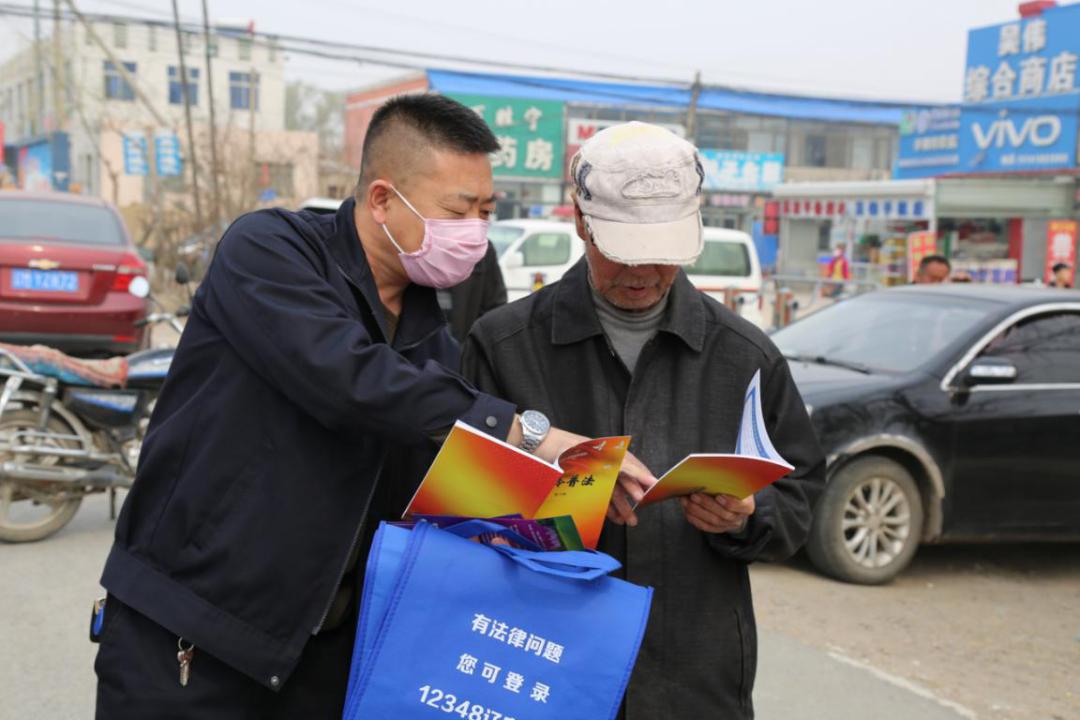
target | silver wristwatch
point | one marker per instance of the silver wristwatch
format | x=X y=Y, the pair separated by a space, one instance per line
x=534 y=428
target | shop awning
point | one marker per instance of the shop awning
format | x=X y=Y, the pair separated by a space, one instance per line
x=673 y=97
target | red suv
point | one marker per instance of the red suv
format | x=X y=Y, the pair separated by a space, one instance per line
x=66 y=263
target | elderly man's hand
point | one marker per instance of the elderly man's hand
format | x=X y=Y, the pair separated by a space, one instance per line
x=634 y=481
x=717 y=513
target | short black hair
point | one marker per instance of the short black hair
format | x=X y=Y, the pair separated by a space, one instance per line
x=416 y=122
x=1061 y=266
x=931 y=259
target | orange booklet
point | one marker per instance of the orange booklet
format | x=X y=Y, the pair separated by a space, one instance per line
x=476 y=475
x=755 y=464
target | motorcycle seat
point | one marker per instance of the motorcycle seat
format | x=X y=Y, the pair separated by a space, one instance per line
x=50 y=362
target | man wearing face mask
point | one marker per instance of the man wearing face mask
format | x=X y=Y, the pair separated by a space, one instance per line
x=310 y=383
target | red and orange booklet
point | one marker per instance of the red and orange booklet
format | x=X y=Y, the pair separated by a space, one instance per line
x=755 y=464
x=476 y=475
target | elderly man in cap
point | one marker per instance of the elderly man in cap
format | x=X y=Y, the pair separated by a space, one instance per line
x=624 y=344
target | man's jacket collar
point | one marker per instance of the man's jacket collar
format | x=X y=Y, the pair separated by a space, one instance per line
x=420 y=311
x=574 y=316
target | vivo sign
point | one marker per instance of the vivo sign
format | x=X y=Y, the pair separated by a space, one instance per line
x=1039 y=132
x=1022 y=94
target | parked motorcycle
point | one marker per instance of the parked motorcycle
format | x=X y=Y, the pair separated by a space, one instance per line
x=71 y=428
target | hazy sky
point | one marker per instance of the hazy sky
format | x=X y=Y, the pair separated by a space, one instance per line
x=912 y=50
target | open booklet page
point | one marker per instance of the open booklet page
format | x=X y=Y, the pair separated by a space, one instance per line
x=755 y=464
x=476 y=475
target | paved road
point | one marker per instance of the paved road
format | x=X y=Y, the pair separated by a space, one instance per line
x=47 y=661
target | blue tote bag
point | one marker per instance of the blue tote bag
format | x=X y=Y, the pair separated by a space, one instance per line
x=450 y=627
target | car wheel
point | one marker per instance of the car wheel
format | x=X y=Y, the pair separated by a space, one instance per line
x=869 y=521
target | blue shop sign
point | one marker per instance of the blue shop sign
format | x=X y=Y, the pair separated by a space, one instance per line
x=929 y=142
x=1020 y=94
x=736 y=170
x=167 y=154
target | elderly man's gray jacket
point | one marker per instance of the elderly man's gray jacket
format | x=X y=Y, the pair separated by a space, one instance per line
x=548 y=352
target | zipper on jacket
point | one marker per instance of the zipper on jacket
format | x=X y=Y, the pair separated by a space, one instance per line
x=352 y=546
x=353 y=283
x=367 y=504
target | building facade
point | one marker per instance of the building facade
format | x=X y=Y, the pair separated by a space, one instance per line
x=115 y=134
x=750 y=142
x=989 y=182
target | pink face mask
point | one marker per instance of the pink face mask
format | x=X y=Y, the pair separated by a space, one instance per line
x=449 y=252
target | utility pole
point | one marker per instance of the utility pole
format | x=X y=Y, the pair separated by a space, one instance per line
x=39 y=73
x=215 y=169
x=59 y=68
x=252 y=97
x=691 y=112
x=187 y=116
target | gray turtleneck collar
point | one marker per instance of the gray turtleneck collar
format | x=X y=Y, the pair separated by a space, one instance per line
x=627 y=330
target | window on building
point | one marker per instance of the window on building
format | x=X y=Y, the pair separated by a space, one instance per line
x=151 y=38
x=862 y=153
x=243 y=48
x=814 y=151
x=176 y=89
x=213 y=46
x=120 y=35
x=272 y=50
x=243 y=91
x=189 y=39
x=116 y=88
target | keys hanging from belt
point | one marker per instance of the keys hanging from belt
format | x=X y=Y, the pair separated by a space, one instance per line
x=184 y=657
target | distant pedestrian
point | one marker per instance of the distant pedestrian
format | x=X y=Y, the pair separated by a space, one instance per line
x=933 y=269
x=839 y=271
x=1063 y=276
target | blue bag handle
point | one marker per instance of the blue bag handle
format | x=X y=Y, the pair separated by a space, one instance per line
x=474 y=527
x=573 y=564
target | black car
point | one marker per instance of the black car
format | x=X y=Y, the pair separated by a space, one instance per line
x=948 y=413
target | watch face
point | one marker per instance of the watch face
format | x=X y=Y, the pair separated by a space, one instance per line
x=535 y=423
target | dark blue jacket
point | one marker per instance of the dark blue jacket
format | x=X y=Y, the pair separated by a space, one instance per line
x=268 y=438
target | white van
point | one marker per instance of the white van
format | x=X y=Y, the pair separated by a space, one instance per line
x=538 y=252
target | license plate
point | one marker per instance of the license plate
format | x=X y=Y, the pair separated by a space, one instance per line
x=45 y=281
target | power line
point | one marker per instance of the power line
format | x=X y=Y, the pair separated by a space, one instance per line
x=479 y=30
x=498 y=64
x=402 y=60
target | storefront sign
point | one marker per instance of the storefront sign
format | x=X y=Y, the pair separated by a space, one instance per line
x=898 y=208
x=735 y=170
x=998 y=272
x=35 y=167
x=929 y=143
x=167 y=154
x=580 y=130
x=530 y=134
x=919 y=245
x=135 y=155
x=43 y=165
x=729 y=200
x=1060 y=245
x=1021 y=97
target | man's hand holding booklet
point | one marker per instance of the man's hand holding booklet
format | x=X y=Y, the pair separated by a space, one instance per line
x=477 y=476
